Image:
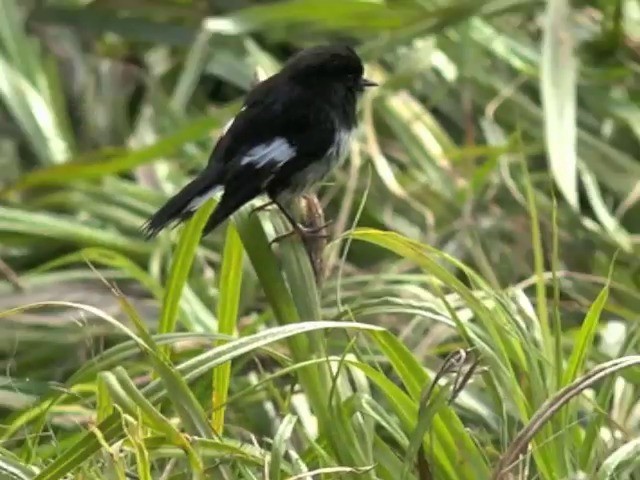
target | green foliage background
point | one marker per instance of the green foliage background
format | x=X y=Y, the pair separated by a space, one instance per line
x=479 y=314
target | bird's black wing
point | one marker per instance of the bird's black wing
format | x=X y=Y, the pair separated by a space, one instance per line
x=275 y=132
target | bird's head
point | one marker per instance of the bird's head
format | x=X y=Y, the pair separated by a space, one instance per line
x=328 y=65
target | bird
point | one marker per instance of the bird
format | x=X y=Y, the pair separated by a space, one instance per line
x=294 y=128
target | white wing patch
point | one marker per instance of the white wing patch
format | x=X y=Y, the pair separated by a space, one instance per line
x=274 y=153
x=196 y=202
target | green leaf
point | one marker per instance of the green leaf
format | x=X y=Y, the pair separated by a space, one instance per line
x=228 y=304
x=13 y=469
x=280 y=446
x=623 y=461
x=583 y=342
x=559 y=71
x=114 y=161
x=184 y=401
x=181 y=266
x=66 y=229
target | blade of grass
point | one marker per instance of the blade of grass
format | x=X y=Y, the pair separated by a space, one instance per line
x=230 y=284
x=184 y=401
x=112 y=161
x=559 y=70
x=280 y=446
x=622 y=462
x=12 y=468
x=67 y=230
x=180 y=267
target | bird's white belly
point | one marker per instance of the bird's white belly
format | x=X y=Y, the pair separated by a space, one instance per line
x=313 y=174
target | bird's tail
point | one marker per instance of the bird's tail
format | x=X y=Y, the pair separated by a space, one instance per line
x=183 y=204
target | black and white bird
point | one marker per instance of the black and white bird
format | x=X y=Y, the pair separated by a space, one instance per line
x=294 y=128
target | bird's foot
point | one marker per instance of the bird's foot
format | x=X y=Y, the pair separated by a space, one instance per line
x=304 y=232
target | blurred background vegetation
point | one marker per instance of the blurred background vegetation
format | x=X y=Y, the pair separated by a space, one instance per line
x=477 y=312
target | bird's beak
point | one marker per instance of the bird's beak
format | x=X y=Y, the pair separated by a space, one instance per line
x=364 y=83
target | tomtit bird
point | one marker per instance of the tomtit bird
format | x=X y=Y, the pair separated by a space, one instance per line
x=293 y=129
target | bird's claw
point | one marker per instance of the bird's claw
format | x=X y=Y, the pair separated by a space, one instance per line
x=304 y=233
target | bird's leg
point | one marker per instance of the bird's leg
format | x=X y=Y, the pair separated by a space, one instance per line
x=259 y=208
x=303 y=232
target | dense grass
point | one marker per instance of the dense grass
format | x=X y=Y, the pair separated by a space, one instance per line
x=474 y=316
